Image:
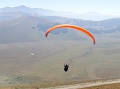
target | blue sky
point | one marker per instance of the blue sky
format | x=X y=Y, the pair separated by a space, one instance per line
x=111 y=7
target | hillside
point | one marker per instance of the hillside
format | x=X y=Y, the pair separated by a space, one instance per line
x=31 y=28
x=96 y=27
x=23 y=29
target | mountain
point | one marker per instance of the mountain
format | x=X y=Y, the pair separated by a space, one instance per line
x=26 y=29
x=24 y=24
x=46 y=12
x=20 y=30
x=28 y=10
x=33 y=28
x=96 y=27
x=8 y=13
x=87 y=16
x=12 y=15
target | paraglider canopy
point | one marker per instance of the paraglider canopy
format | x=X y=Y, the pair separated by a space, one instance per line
x=71 y=26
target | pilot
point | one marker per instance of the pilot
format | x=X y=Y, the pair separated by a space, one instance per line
x=66 y=67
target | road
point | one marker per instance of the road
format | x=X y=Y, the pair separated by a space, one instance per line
x=83 y=85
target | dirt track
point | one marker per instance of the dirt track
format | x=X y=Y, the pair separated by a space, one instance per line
x=83 y=85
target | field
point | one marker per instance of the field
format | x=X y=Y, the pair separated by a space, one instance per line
x=93 y=84
x=108 y=86
x=42 y=62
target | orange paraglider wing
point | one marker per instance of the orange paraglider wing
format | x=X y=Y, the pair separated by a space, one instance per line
x=71 y=26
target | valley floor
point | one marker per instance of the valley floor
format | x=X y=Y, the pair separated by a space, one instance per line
x=98 y=84
x=92 y=84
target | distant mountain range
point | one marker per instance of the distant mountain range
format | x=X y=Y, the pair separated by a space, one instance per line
x=24 y=24
x=96 y=27
x=23 y=10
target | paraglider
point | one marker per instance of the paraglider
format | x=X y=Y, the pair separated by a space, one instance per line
x=71 y=26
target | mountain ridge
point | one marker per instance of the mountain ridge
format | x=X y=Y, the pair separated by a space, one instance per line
x=47 y=12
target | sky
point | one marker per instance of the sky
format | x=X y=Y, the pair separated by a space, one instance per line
x=106 y=7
